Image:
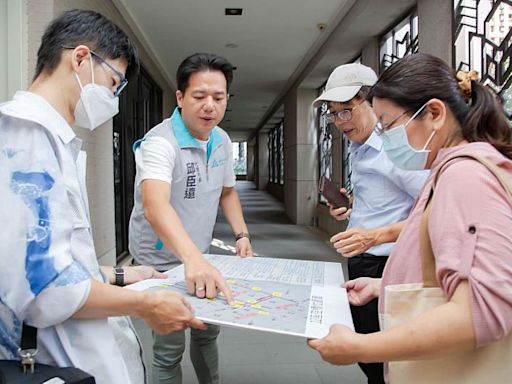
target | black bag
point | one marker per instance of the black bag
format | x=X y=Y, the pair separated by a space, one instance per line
x=28 y=372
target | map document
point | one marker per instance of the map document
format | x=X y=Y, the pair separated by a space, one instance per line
x=293 y=297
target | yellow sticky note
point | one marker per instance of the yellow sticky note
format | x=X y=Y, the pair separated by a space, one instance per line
x=257 y=306
x=263 y=313
x=252 y=301
x=277 y=294
x=257 y=289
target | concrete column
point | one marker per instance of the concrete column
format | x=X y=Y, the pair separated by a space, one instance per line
x=370 y=55
x=435 y=19
x=250 y=159
x=300 y=156
x=262 y=148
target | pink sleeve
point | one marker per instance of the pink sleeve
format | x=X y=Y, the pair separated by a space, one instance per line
x=470 y=227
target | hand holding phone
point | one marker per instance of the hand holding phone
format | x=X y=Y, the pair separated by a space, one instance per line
x=330 y=191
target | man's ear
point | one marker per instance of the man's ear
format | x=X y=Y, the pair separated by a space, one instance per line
x=179 y=98
x=437 y=113
x=79 y=56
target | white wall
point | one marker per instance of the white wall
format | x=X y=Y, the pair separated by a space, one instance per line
x=3 y=48
x=12 y=48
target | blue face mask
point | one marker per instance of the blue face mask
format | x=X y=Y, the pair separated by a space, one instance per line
x=399 y=151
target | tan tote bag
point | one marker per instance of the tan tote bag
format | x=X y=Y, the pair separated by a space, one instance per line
x=489 y=364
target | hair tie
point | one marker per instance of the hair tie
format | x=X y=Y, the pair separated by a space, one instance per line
x=465 y=79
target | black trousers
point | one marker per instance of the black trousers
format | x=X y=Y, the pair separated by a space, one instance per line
x=366 y=317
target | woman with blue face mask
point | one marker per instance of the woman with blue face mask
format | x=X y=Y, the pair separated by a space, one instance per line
x=431 y=118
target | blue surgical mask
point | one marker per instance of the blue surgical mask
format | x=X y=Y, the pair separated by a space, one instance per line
x=399 y=151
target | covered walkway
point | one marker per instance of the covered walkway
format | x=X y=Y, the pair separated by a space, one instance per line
x=251 y=357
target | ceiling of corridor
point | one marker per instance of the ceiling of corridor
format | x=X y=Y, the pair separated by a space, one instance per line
x=274 y=44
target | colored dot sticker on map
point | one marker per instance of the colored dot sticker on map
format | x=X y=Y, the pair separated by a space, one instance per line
x=263 y=313
x=257 y=289
x=257 y=306
x=277 y=294
x=252 y=301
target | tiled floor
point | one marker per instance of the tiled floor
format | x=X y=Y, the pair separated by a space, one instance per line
x=250 y=357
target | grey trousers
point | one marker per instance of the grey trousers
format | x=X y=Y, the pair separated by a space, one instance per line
x=168 y=352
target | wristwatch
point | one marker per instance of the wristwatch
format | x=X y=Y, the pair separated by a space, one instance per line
x=241 y=235
x=119 y=275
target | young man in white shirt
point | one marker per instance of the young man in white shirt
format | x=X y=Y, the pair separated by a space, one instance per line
x=184 y=173
x=50 y=276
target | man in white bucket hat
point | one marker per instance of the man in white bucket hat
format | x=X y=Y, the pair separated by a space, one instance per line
x=382 y=193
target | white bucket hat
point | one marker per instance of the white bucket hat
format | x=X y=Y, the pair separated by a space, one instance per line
x=344 y=83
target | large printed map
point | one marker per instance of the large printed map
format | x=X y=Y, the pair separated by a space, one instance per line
x=257 y=303
x=294 y=297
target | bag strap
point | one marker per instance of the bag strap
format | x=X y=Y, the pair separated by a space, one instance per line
x=28 y=348
x=28 y=337
x=428 y=261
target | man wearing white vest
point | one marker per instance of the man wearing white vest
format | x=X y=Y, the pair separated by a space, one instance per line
x=184 y=173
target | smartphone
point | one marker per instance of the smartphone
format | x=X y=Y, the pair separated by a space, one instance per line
x=331 y=192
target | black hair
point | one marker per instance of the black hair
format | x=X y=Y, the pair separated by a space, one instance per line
x=363 y=93
x=89 y=28
x=412 y=81
x=199 y=62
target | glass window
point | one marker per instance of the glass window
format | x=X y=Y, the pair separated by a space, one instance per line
x=324 y=145
x=240 y=158
x=402 y=40
x=281 y=153
x=481 y=47
x=276 y=154
x=346 y=171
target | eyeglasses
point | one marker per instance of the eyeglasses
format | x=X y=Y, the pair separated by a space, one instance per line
x=123 y=81
x=380 y=128
x=343 y=115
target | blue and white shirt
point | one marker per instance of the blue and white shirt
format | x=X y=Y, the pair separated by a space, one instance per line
x=196 y=172
x=47 y=256
x=383 y=193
